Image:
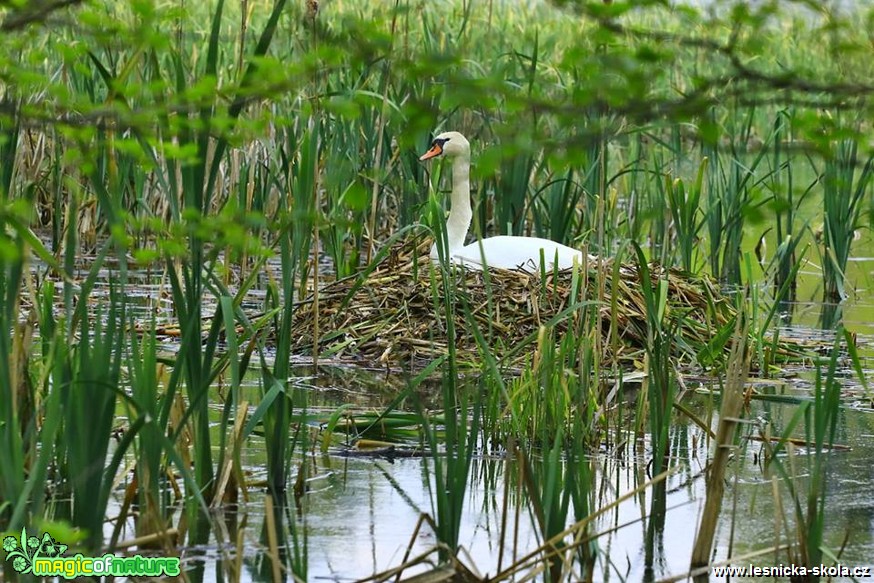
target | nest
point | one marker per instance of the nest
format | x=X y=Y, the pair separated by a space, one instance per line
x=397 y=313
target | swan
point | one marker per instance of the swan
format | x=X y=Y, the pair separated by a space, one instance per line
x=507 y=252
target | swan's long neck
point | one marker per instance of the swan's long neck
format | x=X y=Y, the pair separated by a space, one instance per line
x=460 y=214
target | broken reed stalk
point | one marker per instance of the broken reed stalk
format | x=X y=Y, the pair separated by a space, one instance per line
x=729 y=417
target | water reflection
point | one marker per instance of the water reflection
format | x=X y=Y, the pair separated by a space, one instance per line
x=361 y=513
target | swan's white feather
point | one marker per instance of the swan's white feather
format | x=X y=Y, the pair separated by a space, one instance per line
x=507 y=252
x=503 y=251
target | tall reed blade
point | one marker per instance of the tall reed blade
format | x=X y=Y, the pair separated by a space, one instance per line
x=683 y=205
x=461 y=420
x=89 y=400
x=844 y=190
x=660 y=390
x=146 y=395
x=729 y=414
x=12 y=464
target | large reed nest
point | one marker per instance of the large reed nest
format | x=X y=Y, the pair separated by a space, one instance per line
x=396 y=315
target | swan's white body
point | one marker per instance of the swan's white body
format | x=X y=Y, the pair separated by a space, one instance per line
x=504 y=251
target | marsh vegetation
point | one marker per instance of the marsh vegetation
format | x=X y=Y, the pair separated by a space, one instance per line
x=211 y=214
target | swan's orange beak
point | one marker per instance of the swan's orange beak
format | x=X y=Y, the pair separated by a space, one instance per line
x=436 y=150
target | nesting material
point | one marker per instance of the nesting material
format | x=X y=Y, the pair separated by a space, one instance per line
x=396 y=314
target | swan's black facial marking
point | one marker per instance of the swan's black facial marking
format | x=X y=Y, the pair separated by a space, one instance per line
x=435 y=150
x=437 y=145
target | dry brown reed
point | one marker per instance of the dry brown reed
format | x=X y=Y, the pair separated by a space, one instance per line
x=387 y=315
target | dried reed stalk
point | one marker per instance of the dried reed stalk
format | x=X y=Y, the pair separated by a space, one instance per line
x=729 y=417
x=387 y=315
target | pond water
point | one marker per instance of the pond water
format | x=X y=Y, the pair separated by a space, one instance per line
x=362 y=512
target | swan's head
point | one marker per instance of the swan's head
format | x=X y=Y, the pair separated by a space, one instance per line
x=449 y=144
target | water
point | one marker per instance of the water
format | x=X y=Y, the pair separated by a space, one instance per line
x=362 y=513
x=376 y=505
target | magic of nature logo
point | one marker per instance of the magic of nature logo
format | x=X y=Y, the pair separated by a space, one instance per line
x=45 y=557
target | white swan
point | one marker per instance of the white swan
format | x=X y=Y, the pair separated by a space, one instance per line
x=506 y=252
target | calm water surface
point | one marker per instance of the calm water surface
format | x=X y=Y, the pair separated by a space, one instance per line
x=362 y=512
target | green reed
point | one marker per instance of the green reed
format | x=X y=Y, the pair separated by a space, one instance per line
x=735 y=194
x=277 y=404
x=300 y=156
x=660 y=382
x=84 y=366
x=783 y=191
x=725 y=443
x=146 y=402
x=346 y=209
x=187 y=279
x=510 y=186
x=559 y=198
x=198 y=195
x=89 y=397
x=454 y=448
x=13 y=355
x=845 y=179
x=190 y=188
x=546 y=420
x=452 y=452
x=819 y=419
x=553 y=461
x=685 y=215
x=659 y=392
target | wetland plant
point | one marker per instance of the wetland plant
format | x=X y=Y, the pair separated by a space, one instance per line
x=115 y=135
x=725 y=445
x=845 y=180
x=554 y=467
x=785 y=206
x=734 y=188
x=17 y=394
x=452 y=459
x=660 y=387
x=149 y=407
x=684 y=203
x=89 y=398
x=819 y=419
